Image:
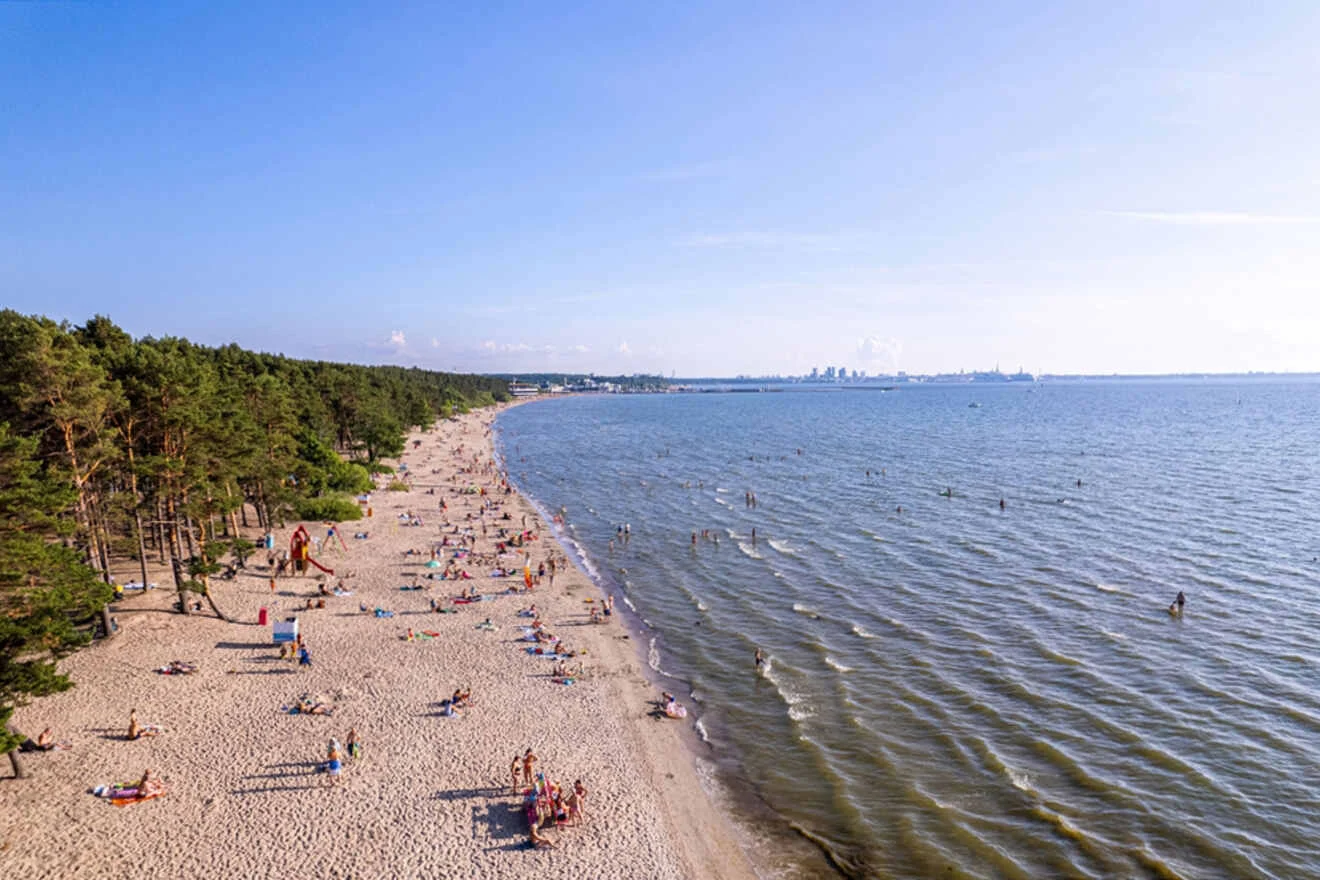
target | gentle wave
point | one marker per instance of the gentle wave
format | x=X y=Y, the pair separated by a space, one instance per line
x=836 y=665
x=1021 y=656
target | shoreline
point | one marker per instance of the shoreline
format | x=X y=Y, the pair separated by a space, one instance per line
x=775 y=845
x=431 y=793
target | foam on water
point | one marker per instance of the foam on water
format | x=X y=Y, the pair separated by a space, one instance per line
x=799 y=707
x=835 y=664
x=861 y=631
x=783 y=547
x=749 y=550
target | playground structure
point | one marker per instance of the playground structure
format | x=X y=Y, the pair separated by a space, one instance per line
x=300 y=552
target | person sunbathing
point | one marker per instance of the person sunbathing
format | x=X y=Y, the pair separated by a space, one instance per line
x=148 y=785
x=136 y=730
x=45 y=742
x=308 y=706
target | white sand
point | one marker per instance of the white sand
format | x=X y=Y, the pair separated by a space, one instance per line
x=431 y=796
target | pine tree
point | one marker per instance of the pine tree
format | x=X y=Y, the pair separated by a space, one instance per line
x=48 y=597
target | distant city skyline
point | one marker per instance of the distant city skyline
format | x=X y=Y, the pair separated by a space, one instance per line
x=703 y=191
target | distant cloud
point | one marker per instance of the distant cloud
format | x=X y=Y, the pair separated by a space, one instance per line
x=883 y=353
x=624 y=349
x=397 y=340
x=1213 y=218
x=580 y=349
x=435 y=343
x=505 y=347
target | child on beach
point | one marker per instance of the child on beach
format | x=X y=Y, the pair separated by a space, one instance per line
x=334 y=763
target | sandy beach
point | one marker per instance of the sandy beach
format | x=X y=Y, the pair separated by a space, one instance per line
x=431 y=794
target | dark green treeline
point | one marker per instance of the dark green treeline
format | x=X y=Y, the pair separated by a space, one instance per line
x=148 y=449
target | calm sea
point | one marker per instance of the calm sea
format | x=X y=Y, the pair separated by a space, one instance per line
x=956 y=689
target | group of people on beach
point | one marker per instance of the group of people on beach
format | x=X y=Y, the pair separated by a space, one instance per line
x=545 y=801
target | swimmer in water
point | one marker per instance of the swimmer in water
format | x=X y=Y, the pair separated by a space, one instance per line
x=1001 y=504
x=760 y=660
x=1176 y=606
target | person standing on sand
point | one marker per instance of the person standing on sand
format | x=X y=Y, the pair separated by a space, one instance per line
x=528 y=767
x=334 y=762
x=514 y=770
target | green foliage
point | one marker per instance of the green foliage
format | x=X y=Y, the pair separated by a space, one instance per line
x=45 y=590
x=125 y=433
x=377 y=468
x=398 y=486
x=351 y=477
x=331 y=508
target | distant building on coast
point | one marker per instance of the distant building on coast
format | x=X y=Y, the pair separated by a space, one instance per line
x=522 y=389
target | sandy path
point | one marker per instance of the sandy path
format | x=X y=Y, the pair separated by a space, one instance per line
x=431 y=795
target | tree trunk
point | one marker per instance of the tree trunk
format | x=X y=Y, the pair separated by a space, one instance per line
x=160 y=529
x=142 y=544
x=106 y=621
x=102 y=530
x=177 y=566
x=231 y=522
x=14 y=761
x=188 y=533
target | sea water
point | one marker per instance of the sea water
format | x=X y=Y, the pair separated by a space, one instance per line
x=958 y=689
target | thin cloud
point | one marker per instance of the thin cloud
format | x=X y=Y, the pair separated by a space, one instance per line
x=1213 y=218
x=397 y=339
x=506 y=347
x=624 y=349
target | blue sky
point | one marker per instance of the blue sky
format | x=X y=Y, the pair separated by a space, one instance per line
x=734 y=188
